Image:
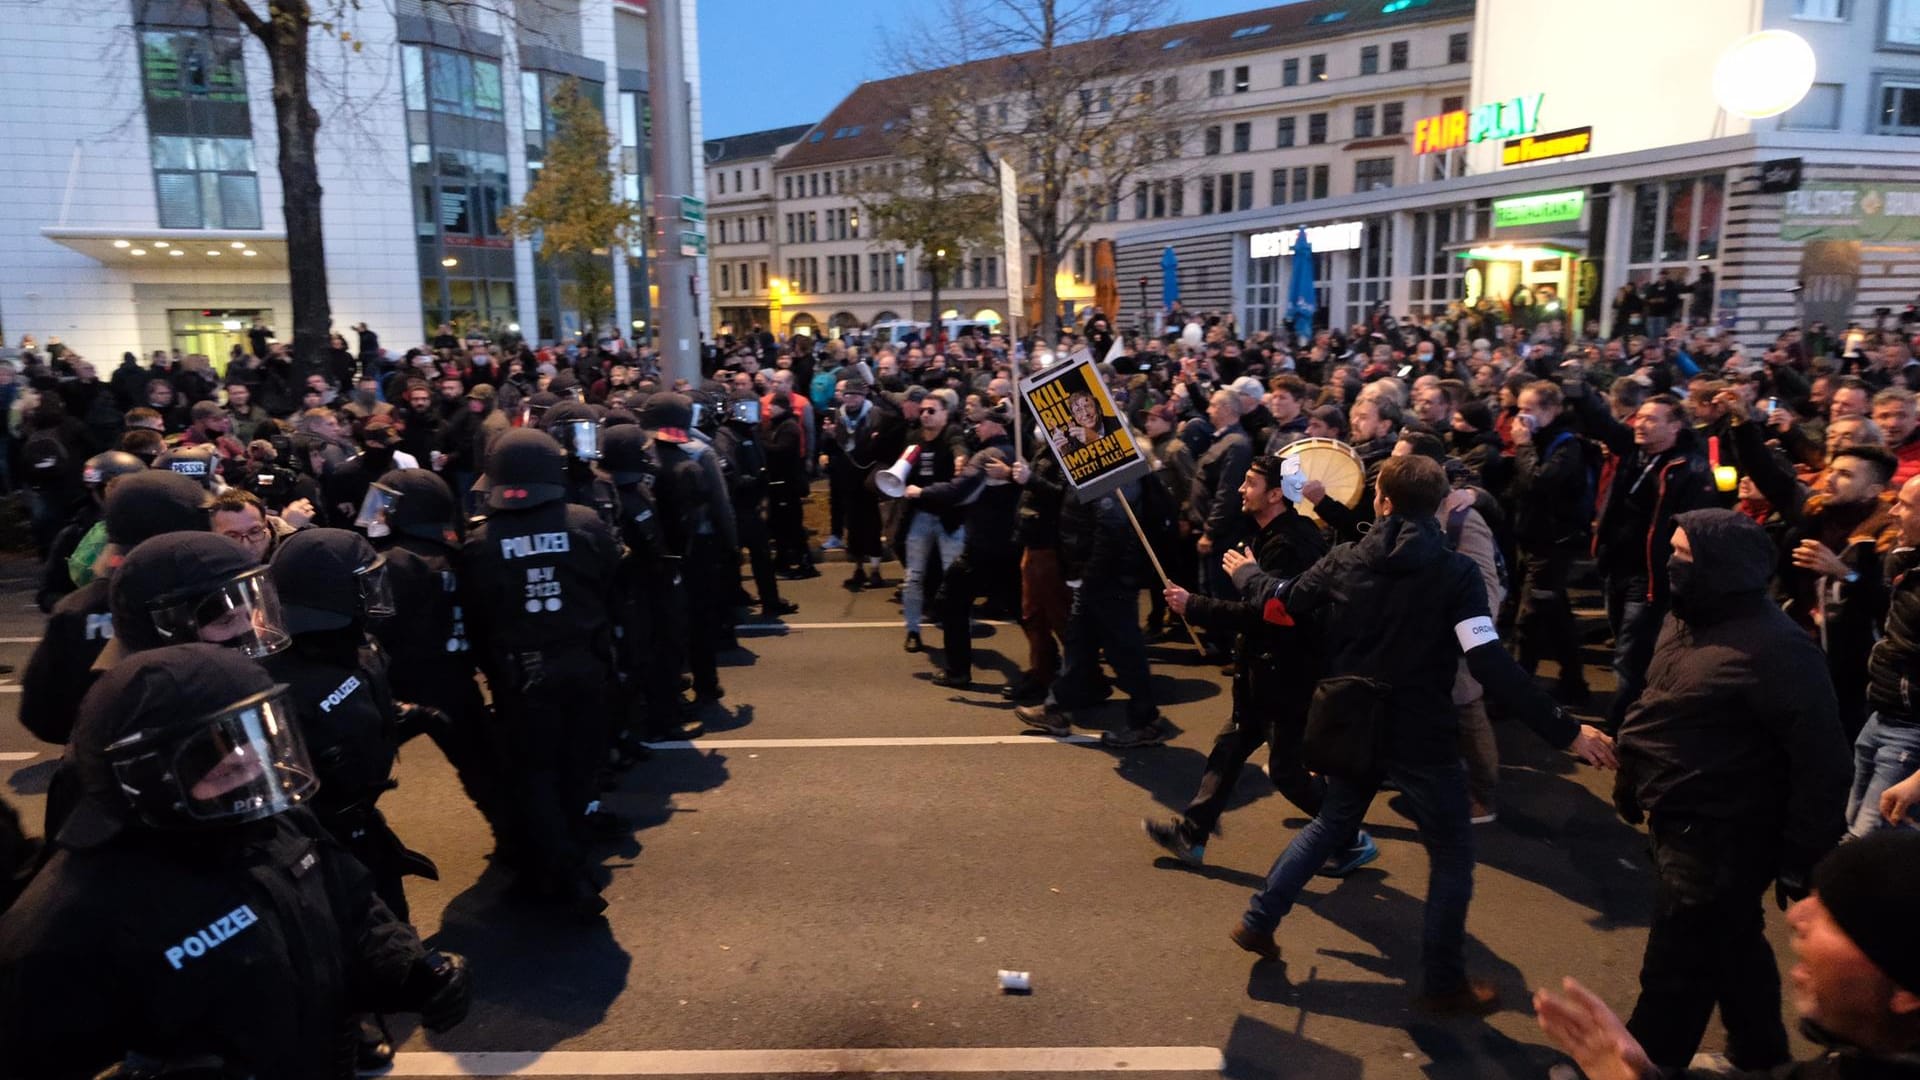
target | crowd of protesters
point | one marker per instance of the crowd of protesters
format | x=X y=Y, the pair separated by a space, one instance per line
x=1742 y=520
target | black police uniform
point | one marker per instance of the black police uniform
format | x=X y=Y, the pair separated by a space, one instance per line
x=738 y=445
x=538 y=585
x=247 y=941
x=430 y=660
x=693 y=504
x=652 y=652
x=348 y=718
x=584 y=486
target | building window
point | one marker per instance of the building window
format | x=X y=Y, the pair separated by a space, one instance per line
x=1241 y=82
x=1436 y=278
x=1316 y=128
x=1397 y=56
x=1290 y=72
x=1243 y=195
x=1457 y=48
x=1901 y=28
x=720 y=183
x=1821 y=10
x=1370 y=174
x=1320 y=178
x=1283 y=133
x=1300 y=177
x=1169 y=91
x=463 y=85
x=1370 y=270
x=726 y=278
x=1370 y=60
x=201 y=132
x=1675 y=226
x=1899 y=108
x=1452 y=104
x=787 y=184
x=1216 y=82
x=1206 y=195
x=1317 y=67
x=1242 y=137
x=756 y=178
x=1818 y=111
x=1393 y=118
x=1363 y=121
x=1277 y=196
x=1210 y=141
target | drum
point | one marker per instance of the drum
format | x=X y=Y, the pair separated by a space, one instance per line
x=1334 y=464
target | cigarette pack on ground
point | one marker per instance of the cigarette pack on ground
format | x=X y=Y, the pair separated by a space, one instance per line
x=1016 y=982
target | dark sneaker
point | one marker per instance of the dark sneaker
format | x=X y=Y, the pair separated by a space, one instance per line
x=778 y=608
x=1476 y=998
x=857 y=582
x=951 y=681
x=1027 y=689
x=1260 y=945
x=1172 y=835
x=1152 y=733
x=1363 y=851
x=913 y=641
x=1045 y=719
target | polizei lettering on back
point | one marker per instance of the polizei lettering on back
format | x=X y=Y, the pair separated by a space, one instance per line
x=340 y=693
x=520 y=547
x=217 y=933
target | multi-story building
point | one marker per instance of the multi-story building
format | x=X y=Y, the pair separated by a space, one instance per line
x=743 y=225
x=1280 y=106
x=1587 y=151
x=144 y=207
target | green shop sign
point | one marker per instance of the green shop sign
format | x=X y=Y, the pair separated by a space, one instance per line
x=1863 y=210
x=1539 y=209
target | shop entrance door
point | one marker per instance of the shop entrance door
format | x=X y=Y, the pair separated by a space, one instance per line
x=212 y=331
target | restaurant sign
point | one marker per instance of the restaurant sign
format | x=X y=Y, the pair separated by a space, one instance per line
x=1545 y=209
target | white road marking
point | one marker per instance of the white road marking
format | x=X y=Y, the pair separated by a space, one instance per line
x=958 y=1059
x=1014 y=739
x=18 y=755
x=19 y=641
x=894 y=624
x=9 y=688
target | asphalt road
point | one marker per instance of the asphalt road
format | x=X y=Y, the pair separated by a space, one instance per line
x=789 y=892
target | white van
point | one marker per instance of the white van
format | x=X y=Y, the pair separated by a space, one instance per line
x=894 y=332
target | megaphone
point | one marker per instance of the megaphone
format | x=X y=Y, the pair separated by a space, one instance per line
x=893 y=482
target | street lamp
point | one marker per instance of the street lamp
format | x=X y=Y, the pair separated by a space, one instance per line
x=1764 y=74
x=933 y=296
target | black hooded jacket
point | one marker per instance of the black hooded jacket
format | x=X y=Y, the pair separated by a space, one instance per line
x=1738 y=721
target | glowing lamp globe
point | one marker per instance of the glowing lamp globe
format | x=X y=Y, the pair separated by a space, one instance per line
x=1764 y=74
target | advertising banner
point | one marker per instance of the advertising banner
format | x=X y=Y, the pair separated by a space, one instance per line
x=1860 y=210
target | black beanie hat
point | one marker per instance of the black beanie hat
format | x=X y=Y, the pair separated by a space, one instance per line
x=1868 y=886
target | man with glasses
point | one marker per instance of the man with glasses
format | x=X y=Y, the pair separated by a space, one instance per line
x=240 y=516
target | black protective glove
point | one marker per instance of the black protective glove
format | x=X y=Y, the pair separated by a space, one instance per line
x=1625 y=802
x=441 y=985
x=419 y=720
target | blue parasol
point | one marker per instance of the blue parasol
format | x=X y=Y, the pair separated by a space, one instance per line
x=1169 y=277
x=1301 y=301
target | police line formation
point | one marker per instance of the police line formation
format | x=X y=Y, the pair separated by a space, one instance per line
x=533 y=557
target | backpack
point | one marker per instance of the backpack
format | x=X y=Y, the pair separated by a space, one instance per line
x=1590 y=465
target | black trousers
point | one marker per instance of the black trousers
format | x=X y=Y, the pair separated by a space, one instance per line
x=1708 y=945
x=708 y=599
x=750 y=522
x=974 y=574
x=1544 y=625
x=1246 y=730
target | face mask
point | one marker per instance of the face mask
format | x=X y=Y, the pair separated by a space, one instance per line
x=1680 y=579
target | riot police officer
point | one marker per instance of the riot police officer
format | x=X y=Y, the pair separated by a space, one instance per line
x=193 y=913
x=332 y=584
x=692 y=498
x=537 y=583
x=346 y=486
x=413 y=519
x=576 y=427
x=60 y=670
x=70 y=557
x=653 y=635
x=738 y=443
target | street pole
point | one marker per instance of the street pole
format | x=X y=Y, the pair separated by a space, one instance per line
x=675 y=323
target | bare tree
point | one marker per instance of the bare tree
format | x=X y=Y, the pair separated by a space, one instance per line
x=933 y=196
x=1073 y=94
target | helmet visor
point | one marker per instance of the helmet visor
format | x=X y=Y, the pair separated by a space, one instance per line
x=580 y=437
x=376 y=592
x=744 y=411
x=242 y=764
x=375 y=506
x=242 y=613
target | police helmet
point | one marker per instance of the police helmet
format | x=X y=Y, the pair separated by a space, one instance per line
x=421 y=505
x=527 y=469
x=538 y=404
x=576 y=427
x=706 y=411
x=623 y=454
x=193 y=462
x=195 y=586
x=743 y=409
x=185 y=737
x=102 y=469
x=618 y=415
x=152 y=502
x=329 y=579
x=668 y=417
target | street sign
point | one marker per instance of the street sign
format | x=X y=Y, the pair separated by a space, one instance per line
x=692 y=209
x=692 y=244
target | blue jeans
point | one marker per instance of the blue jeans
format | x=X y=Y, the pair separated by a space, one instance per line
x=1438 y=791
x=1883 y=755
x=922 y=537
x=1635 y=622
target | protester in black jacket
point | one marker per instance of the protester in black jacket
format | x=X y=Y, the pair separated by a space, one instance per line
x=1734 y=755
x=1551 y=507
x=1393 y=614
x=1044 y=597
x=986 y=566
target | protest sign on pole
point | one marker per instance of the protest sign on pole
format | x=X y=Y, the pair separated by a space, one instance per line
x=1078 y=421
